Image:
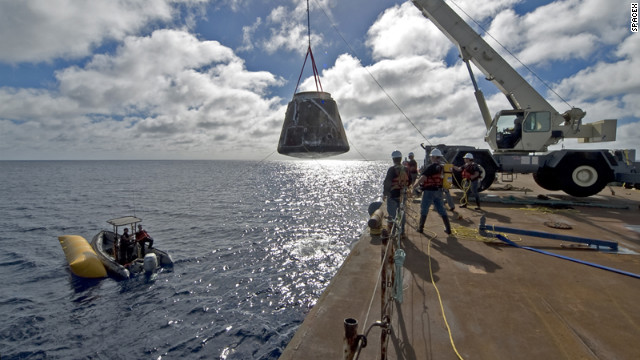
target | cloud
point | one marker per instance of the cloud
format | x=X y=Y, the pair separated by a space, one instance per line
x=402 y=31
x=287 y=28
x=36 y=31
x=169 y=88
x=561 y=30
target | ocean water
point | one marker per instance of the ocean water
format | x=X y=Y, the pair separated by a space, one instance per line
x=254 y=245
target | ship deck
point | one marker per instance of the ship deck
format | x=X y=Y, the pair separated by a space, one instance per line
x=499 y=301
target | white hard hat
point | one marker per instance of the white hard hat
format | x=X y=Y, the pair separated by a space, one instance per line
x=468 y=156
x=396 y=154
x=436 y=152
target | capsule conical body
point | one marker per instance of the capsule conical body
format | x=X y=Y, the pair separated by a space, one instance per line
x=312 y=127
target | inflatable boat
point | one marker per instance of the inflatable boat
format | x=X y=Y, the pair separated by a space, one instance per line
x=143 y=260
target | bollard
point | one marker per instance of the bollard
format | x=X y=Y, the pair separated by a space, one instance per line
x=376 y=219
x=375 y=222
x=350 y=338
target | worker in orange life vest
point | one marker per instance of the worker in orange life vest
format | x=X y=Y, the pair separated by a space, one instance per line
x=395 y=183
x=471 y=179
x=143 y=237
x=430 y=182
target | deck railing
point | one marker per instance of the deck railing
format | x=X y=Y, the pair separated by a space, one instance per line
x=390 y=281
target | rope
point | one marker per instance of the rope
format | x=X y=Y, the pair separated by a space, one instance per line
x=466 y=185
x=431 y=236
x=444 y=316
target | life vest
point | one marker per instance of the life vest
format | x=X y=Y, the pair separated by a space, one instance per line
x=401 y=180
x=141 y=235
x=468 y=170
x=433 y=181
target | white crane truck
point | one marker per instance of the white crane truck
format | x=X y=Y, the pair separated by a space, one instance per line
x=519 y=137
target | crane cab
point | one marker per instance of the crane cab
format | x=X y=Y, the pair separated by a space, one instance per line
x=521 y=130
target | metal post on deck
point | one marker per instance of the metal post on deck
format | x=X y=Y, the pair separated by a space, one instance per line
x=350 y=338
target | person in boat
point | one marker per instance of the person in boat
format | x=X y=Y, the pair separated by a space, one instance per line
x=143 y=237
x=395 y=183
x=430 y=182
x=125 y=248
x=471 y=179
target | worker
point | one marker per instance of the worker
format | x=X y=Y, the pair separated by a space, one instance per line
x=431 y=183
x=395 y=184
x=471 y=179
x=143 y=237
x=447 y=193
x=509 y=137
x=125 y=247
x=413 y=168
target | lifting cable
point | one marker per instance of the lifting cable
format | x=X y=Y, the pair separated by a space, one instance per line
x=371 y=75
x=316 y=76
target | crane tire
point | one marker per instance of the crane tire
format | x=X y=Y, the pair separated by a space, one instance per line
x=582 y=177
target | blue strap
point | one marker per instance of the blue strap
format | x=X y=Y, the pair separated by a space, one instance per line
x=503 y=238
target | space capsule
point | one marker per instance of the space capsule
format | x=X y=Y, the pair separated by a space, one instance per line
x=312 y=127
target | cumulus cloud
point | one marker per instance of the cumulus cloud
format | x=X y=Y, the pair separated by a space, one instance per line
x=403 y=31
x=168 y=87
x=42 y=30
x=561 y=30
x=287 y=29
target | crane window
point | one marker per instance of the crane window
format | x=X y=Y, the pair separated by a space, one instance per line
x=538 y=122
x=508 y=123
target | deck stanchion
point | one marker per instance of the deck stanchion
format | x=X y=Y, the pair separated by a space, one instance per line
x=350 y=338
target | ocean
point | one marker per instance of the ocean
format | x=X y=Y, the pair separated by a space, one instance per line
x=254 y=245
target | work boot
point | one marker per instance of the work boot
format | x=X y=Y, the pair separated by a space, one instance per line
x=423 y=219
x=447 y=225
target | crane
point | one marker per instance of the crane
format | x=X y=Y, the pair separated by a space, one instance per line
x=520 y=136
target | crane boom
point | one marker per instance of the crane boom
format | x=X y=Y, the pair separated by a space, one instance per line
x=474 y=48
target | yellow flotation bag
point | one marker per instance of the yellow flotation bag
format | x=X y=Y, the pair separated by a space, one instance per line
x=82 y=260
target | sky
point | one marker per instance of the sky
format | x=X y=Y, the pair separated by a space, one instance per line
x=198 y=79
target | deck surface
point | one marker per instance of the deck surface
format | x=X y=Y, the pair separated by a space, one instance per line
x=500 y=302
